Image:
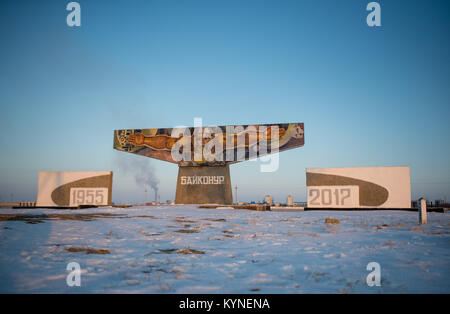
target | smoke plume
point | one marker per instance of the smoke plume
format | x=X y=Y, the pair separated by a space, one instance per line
x=141 y=169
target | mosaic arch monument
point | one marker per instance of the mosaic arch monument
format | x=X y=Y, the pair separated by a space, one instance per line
x=203 y=154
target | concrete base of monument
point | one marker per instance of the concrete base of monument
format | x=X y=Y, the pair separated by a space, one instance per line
x=204 y=185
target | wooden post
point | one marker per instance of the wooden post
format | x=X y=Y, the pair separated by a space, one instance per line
x=422 y=211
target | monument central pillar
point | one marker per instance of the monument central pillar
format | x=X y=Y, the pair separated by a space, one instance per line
x=204 y=185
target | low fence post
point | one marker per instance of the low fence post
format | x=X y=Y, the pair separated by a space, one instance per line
x=422 y=211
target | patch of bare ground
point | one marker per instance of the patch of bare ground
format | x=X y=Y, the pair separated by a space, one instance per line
x=185 y=251
x=40 y=218
x=187 y=231
x=385 y=226
x=185 y=221
x=229 y=234
x=150 y=234
x=215 y=219
x=332 y=225
x=167 y=251
x=188 y=250
x=332 y=221
x=87 y=250
x=317 y=276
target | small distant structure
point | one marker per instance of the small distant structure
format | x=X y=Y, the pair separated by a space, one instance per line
x=290 y=201
x=268 y=200
x=156 y=197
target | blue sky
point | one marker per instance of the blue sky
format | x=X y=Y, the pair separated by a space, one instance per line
x=367 y=96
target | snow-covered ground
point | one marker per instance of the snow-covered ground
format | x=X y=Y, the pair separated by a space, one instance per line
x=185 y=249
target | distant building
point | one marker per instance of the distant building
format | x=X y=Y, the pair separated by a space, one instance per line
x=290 y=201
x=268 y=199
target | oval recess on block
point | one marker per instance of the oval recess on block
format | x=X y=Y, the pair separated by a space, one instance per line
x=370 y=194
x=61 y=195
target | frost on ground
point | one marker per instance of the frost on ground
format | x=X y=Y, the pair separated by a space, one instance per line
x=184 y=249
